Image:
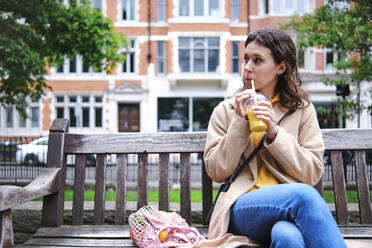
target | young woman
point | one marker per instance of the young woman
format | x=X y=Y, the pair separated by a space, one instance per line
x=272 y=201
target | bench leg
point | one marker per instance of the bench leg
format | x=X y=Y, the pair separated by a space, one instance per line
x=6 y=229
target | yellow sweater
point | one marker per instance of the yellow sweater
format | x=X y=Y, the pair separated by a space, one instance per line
x=265 y=177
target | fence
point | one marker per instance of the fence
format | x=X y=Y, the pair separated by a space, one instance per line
x=21 y=162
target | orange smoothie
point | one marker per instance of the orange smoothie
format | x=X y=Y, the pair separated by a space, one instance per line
x=256 y=124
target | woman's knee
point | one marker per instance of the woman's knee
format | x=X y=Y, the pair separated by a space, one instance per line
x=286 y=234
x=306 y=194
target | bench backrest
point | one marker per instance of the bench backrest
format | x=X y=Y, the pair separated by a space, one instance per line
x=62 y=143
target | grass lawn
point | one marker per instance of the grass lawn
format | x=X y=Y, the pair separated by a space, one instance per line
x=196 y=196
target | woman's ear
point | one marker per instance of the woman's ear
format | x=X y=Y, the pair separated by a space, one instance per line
x=281 y=68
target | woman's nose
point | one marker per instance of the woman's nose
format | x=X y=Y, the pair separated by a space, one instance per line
x=248 y=66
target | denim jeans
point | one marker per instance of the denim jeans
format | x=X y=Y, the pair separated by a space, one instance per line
x=286 y=215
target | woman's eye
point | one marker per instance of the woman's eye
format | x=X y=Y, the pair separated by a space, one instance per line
x=257 y=60
x=246 y=60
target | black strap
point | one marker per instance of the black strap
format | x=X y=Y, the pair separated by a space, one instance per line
x=251 y=156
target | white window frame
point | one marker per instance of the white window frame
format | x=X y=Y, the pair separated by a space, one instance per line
x=79 y=68
x=16 y=117
x=206 y=48
x=161 y=57
x=78 y=108
x=131 y=50
x=235 y=4
x=205 y=9
x=309 y=7
x=120 y=2
x=238 y=57
x=161 y=7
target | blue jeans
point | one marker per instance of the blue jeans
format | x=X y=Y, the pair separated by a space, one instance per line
x=286 y=215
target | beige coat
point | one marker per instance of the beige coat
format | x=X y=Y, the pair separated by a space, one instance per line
x=295 y=155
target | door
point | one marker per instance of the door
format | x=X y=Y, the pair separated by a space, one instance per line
x=129 y=117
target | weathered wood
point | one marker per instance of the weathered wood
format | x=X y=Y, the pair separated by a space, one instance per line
x=121 y=190
x=6 y=229
x=142 y=184
x=81 y=242
x=78 y=198
x=362 y=188
x=52 y=212
x=100 y=190
x=45 y=184
x=339 y=187
x=185 y=168
x=136 y=142
x=319 y=187
x=207 y=192
x=347 y=139
x=164 y=181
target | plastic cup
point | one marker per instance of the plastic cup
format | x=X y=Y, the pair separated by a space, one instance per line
x=256 y=125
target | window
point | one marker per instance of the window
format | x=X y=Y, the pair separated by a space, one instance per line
x=160 y=10
x=160 y=57
x=83 y=111
x=235 y=10
x=264 y=7
x=97 y=4
x=204 y=8
x=13 y=119
x=327 y=114
x=235 y=57
x=127 y=10
x=128 y=66
x=88 y=69
x=185 y=113
x=199 y=54
x=338 y=4
x=329 y=61
x=9 y=117
x=301 y=58
x=286 y=7
x=73 y=67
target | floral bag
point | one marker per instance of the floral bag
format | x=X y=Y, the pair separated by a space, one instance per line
x=149 y=227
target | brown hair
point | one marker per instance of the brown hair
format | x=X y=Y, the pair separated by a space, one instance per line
x=283 y=49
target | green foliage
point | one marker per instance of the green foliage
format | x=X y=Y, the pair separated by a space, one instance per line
x=345 y=30
x=37 y=33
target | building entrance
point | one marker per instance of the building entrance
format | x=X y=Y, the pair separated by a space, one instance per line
x=128 y=117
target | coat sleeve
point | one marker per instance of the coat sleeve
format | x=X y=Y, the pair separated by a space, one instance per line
x=301 y=157
x=227 y=138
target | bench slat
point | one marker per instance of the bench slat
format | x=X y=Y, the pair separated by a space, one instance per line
x=81 y=242
x=207 y=191
x=347 y=139
x=362 y=186
x=339 y=187
x=164 y=181
x=142 y=178
x=78 y=198
x=173 y=142
x=185 y=186
x=6 y=229
x=121 y=189
x=99 y=190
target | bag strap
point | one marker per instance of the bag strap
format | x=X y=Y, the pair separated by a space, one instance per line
x=251 y=156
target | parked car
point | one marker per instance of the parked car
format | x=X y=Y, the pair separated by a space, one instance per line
x=35 y=153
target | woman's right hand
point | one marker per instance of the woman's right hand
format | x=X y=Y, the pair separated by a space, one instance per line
x=240 y=99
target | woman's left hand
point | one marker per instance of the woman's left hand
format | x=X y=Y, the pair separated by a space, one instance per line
x=265 y=111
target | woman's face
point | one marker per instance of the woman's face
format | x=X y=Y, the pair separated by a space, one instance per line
x=259 y=66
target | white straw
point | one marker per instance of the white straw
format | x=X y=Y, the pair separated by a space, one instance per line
x=254 y=94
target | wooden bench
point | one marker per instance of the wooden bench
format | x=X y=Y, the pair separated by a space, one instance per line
x=51 y=184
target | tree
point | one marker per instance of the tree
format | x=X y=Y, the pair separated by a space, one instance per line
x=346 y=28
x=35 y=34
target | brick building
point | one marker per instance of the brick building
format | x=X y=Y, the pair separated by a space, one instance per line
x=184 y=57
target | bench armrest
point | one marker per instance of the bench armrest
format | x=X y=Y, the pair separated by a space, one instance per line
x=45 y=184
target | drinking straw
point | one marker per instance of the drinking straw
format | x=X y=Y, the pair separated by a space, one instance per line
x=254 y=94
